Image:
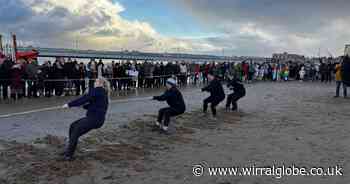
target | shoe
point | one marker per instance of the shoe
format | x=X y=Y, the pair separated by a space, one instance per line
x=68 y=158
x=204 y=116
x=165 y=132
x=336 y=97
x=155 y=128
x=213 y=118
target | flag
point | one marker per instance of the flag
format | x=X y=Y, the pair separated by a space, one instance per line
x=27 y=54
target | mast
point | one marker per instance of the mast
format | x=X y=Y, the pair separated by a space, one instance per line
x=14 y=51
x=1 y=47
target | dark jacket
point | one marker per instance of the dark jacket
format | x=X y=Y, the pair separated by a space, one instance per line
x=81 y=72
x=32 y=71
x=96 y=103
x=215 y=89
x=46 y=71
x=174 y=99
x=5 y=70
x=237 y=87
x=57 y=71
x=346 y=71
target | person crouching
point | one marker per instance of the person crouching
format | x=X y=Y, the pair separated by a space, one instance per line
x=238 y=93
x=177 y=105
x=96 y=103
x=217 y=94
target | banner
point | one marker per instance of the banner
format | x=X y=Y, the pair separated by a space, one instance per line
x=27 y=55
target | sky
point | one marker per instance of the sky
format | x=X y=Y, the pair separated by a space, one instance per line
x=222 y=27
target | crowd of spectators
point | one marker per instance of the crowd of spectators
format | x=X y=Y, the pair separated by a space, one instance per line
x=66 y=76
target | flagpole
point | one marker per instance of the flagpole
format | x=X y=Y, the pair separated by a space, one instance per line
x=1 y=46
x=14 y=53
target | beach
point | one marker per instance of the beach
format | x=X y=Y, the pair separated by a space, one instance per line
x=282 y=124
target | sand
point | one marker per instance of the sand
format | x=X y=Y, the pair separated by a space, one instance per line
x=277 y=123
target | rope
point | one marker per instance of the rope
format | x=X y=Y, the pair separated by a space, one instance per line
x=59 y=107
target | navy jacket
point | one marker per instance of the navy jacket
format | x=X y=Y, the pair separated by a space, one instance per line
x=215 y=89
x=174 y=99
x=237 y=87
x=95 y=102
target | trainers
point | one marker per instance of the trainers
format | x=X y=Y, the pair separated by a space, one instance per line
x=213 y=118
x=68 y=158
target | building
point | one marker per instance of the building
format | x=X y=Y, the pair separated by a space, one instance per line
x=288 y=57
x=347 y=50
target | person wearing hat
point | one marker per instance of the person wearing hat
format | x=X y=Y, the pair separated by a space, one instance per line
x=96 y=103
x=176 y=107
x=217 y=94
x=238 y=92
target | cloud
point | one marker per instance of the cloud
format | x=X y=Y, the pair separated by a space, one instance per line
x=95 y=24
x=7 y=13
x=240 y=27
x=268 y=26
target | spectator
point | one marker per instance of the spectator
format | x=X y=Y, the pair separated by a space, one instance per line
x=58 y=76
x=345 y=73
x=5 y=75
x=32 y=76
x=17 y=83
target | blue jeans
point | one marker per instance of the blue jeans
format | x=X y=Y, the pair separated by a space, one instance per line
x=339 y=83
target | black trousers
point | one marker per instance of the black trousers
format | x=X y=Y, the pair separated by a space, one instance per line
x=49 y=87
x=213 y=103
x=149 y=82
x=59 y=86
x=183 y=79
x=32 y=88
x=157 y=82
x=4 y=84
x=91 y=82
x=77 y=129
x=166 y=113
x=79 y=86
x=114 y=84
x=232 y=99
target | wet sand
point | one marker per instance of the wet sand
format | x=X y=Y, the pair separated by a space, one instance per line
x=277 y=123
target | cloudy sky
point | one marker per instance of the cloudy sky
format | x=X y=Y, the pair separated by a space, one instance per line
x=230 y=27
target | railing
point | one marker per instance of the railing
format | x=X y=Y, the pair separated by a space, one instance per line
x=50 y=86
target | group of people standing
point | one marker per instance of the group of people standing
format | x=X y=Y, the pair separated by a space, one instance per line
x=27 y=78
x=274 y=70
